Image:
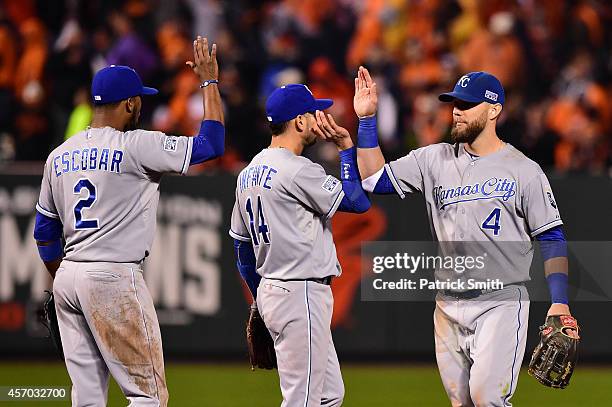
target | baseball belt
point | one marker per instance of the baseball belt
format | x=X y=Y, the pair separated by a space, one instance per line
x=323 y=280
x=471 y=294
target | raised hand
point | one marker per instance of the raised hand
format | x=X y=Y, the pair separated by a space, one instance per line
x=365 y=101
x=205 y=65
x=328 y=130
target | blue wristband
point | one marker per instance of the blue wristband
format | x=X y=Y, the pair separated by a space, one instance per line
x=367 y=136
x=52 y=251
x=557 y=284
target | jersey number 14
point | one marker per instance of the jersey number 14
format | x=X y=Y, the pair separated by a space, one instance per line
x=258 y=226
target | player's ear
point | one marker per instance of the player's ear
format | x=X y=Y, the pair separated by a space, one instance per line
x=495 y=111
x=300 y=123
x=129 y=105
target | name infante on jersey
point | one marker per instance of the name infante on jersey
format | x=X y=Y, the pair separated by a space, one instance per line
x=256 y=175
x=88 y=159
x=503 y=188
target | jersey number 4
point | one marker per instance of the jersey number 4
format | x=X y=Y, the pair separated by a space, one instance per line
x=492 y=221
x=261 y=228
x=87 y=202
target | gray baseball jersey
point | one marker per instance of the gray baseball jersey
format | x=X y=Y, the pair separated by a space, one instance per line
x=497 y=202
x=103 y=184
x=503 y=196
x=284 y=204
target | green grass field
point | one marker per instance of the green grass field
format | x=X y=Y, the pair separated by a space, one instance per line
x=229 y=385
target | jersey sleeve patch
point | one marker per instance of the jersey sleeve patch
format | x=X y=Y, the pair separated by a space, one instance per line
x=551 y=199
x=170 y=143
x=330 y=184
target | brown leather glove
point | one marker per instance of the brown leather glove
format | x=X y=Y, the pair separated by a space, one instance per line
x=49 y=320
x=554 y=359
x=259 y=341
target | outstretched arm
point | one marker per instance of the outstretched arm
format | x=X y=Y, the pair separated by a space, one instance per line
x=378 y=177
x=210 y=141
x=206 y=67
x=365 y=102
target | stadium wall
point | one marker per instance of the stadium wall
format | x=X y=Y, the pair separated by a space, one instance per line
x=202 y=304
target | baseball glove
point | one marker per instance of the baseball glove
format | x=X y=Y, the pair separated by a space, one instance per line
x=49 y=320
x=259 y=341
x=554 y=359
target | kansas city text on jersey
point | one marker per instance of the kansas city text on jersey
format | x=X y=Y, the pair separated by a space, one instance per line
x=491 y=188
x=88 y=159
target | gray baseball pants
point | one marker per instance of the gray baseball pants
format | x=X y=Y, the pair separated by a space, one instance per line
x=480 y=344
x=108 y=324
x=298 y=315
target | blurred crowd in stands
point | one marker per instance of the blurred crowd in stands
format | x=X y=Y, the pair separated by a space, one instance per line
x=553 y=58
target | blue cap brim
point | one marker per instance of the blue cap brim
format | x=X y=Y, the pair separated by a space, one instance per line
x=450 y=96
x=322 y=104
x=149 y=91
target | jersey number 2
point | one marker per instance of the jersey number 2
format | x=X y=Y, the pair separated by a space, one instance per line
x=79 y=222
x=261 y=228
x=492 y=221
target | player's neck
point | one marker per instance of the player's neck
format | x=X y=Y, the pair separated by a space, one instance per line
x=292 y=144
x=486 y=143
x=102 y=119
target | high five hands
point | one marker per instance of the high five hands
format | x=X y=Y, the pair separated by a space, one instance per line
x=205 y=65
x=366 y=98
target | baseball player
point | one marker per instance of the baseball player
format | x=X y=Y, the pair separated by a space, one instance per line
x=100 y=190
x=479 y=189
x=281 y=225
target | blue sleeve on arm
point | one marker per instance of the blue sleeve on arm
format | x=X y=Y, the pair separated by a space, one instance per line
x=384 y=185
x=209 y=143
x=553 y=244
x=48 y=230
x=52 y=251
x=247 y=265
x=367 y=136
x=355 y=199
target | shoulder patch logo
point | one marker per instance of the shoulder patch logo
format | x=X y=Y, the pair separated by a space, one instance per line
x=551 y=199
x=170 y=143
x=330 y=184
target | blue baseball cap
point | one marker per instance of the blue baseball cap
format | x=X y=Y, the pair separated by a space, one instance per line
x=476 y=87
x=290 y=101
x=117 y=82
